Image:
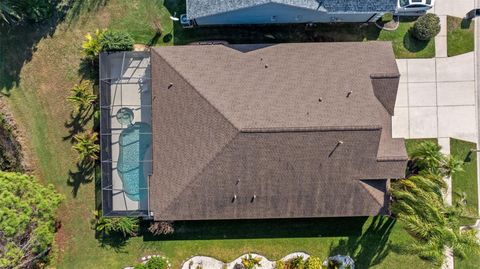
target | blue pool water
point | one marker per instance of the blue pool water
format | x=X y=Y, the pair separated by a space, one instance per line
x=134 y=143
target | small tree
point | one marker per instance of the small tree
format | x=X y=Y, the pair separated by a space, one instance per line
x=86 y=146
x=426 y=27
x=116 y=41
x=91 y=46
x=82 y=96
x=27 y=220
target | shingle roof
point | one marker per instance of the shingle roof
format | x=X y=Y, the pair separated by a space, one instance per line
x=245 y=121
x=201 y=8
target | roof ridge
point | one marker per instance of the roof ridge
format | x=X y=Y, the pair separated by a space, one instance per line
x=195 y=178
x=310 y=129
x=194 y=88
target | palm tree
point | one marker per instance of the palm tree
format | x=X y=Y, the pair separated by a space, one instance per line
x=418 y=203
x=427 y=156
x=86 y=146
x=429 y=160
x=452 y=165
x=82 y=96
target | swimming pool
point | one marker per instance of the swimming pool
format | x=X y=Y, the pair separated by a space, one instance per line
x=134 y=142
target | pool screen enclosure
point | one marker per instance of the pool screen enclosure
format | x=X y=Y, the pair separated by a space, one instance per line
x=125 y=133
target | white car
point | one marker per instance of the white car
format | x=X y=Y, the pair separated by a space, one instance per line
x=414 y=6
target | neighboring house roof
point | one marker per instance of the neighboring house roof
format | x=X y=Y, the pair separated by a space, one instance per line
x=202 y=8
x=254 y=131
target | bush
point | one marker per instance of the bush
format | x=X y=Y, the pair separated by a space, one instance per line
x=91 y=46
x=124 y=225
x=295 y=263
x=426 y=27
x=280 y=264
x=157 y=263
x=313 y=263
x=116 y=41
x=251 y=262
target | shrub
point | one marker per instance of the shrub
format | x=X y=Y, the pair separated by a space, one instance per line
x=280 y=264
x=157 y=263
x=251 y=262
x=161 y=227
x=87 y=147
x=125 y=225
x=313 y=263
x=82 y=96
x=91 y=46
x=426 y=27
x=295 y=263
x=116 y=41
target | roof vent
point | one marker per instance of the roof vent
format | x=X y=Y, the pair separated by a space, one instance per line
x=266 y=65
x=339 y=142
x=349 y=93
x=234 y=198
x=320 y=100
x=253 y=198
x=238 y=181
x=170 y=85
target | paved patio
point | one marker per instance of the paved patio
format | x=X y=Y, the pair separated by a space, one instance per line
x=128 y=88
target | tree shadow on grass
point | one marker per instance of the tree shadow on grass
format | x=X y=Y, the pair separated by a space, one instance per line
x=371 y=247
x=83 y=174
x=413 y=44
x=115 y=241
x=77 y=122
x=18 y=42
x=268 y=228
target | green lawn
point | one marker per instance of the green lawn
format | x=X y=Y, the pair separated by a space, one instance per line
x=460 y=36
x=465 y=182
x=405 y=45
x=38 y=67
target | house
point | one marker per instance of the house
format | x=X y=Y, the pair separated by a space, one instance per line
x=253 y=131
x=224 y=12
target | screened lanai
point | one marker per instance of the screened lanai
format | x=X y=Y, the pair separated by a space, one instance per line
x=125 y=127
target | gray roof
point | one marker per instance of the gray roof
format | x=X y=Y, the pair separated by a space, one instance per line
x=201 y=8
x=245 y=121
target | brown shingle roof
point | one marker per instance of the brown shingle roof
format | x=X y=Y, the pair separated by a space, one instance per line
x=246 y=121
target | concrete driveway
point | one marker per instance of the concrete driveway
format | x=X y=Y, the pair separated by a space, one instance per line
x=436 y=98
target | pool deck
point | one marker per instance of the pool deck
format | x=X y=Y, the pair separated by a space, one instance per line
x=129 y=87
